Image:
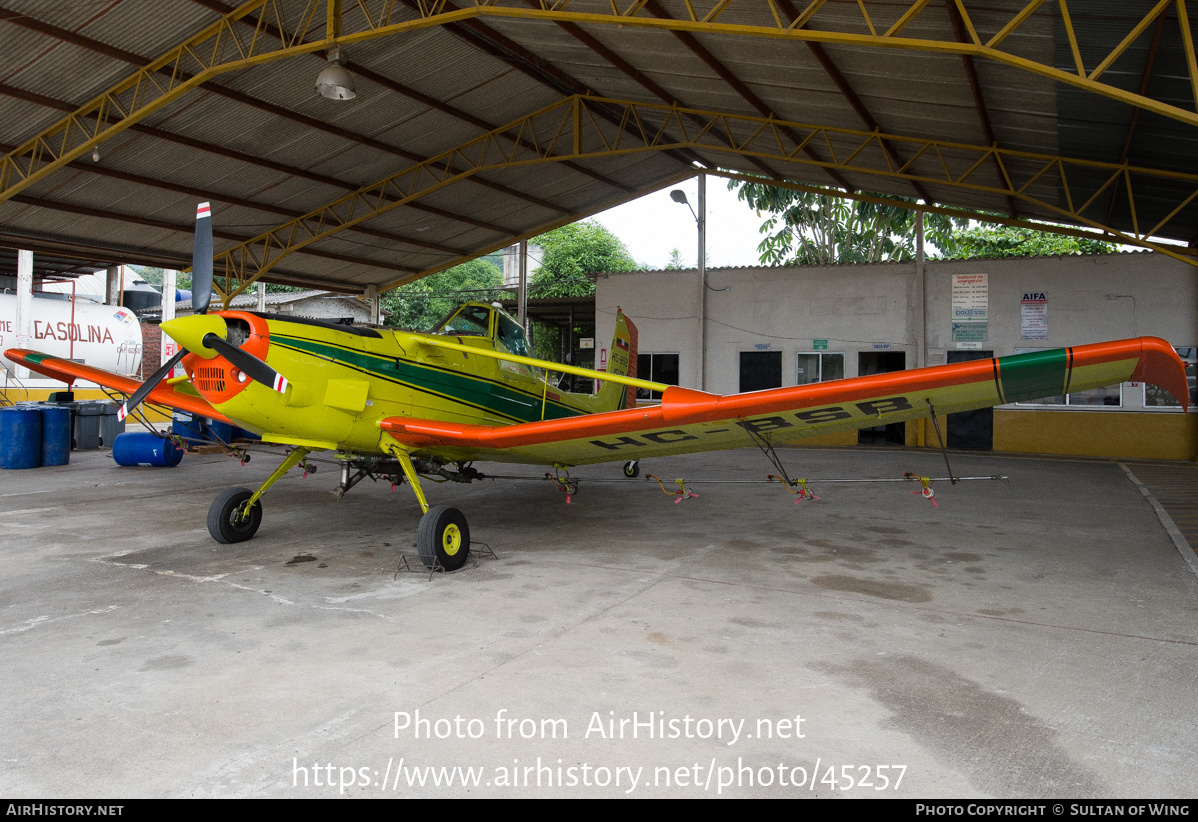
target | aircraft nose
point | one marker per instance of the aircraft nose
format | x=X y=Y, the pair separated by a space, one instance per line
x=189 y=332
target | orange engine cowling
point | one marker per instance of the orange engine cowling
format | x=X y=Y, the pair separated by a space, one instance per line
x=217 y=379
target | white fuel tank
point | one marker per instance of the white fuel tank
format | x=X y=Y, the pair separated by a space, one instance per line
x=102 y=336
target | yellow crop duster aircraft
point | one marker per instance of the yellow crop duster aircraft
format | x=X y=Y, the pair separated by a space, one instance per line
x=430 y=404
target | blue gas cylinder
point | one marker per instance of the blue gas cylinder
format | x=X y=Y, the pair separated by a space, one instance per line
x=144 y=448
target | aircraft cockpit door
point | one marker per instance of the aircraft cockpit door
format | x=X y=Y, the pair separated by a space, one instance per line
x=510 y=337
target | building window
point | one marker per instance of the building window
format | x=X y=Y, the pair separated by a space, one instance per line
x=1110 y=396
x=819 y=366
x=661 y=368
x=760 y=370
x=1155 y=397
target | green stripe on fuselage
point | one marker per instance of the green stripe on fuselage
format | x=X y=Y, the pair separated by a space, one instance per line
x=1034 y=375
x=475 y=391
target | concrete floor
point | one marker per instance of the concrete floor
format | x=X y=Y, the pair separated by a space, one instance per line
x=1030 y=639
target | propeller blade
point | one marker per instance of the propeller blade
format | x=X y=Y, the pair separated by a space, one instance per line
x=201 y=261
x=149 y=385
x=247 y=363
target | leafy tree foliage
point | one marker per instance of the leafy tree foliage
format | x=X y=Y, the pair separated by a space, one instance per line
x=806 y=228
x=420 y=305
x=569 y=254
x=153 y=276
x=803 y=228
x=276 y=288
x=990 y=241
x=572 y=252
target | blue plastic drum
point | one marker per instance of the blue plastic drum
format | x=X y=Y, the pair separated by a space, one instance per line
x=56 y=435
x=144 y=448
x=20 y=437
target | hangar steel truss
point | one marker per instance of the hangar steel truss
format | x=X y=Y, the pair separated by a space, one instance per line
x=584 y=127
x=579 y=128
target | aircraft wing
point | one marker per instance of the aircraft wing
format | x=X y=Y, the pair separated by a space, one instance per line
x=689 y=421
x=67 y=370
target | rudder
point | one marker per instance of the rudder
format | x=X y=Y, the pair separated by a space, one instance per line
x=621 y=360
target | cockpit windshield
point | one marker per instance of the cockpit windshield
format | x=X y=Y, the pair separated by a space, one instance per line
x=473 y=320
x=467 y=321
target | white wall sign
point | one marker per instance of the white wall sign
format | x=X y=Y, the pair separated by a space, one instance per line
x=971 y=310
x=1033 y=315
x=971 y=297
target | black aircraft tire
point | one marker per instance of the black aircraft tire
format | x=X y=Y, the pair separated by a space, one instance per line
x=220 y=517
x=443 y=538
x=632 y=469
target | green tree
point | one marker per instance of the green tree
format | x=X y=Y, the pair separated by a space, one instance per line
x=989 y=241
x=570 y=253
x=153 y=276
x=420 y=305
x=675 y=262
x=807 y=228
x=573 y=251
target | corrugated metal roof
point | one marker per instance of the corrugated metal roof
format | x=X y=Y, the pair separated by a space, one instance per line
x=262 y=146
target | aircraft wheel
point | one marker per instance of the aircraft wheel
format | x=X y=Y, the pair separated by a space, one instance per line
x=443 y=538
x=224 y=526
x=632 y=469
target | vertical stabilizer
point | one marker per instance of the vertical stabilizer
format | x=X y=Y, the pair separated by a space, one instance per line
x=621 y=359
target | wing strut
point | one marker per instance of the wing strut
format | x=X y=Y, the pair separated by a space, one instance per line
x=767 y=448
x=943 y=450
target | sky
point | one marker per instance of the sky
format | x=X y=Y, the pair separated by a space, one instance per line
x=655 y=225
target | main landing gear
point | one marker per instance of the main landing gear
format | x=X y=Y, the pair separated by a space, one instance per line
x=442 y=539
x=230 y=519
x=632 y=469
x=235 y=514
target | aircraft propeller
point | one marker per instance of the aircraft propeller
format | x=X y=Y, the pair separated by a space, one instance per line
x=201 y=284
x=201 y=260
x=250 y=365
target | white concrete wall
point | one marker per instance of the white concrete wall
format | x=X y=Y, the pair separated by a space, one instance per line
x=664 y=305
x=1079 y=311
x=858 y=307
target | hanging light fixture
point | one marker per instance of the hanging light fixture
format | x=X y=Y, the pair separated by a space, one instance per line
x=334 y=82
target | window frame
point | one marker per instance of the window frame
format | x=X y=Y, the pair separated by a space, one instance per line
x=655 y=396
x=821 y=354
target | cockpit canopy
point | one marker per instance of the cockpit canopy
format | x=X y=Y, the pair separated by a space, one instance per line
x=482 y=320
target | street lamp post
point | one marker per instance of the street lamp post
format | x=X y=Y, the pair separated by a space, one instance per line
x=679 y=196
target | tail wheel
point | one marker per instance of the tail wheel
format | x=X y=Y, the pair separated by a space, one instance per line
x=632 y=469
x=443 y=538
x=228 y=521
